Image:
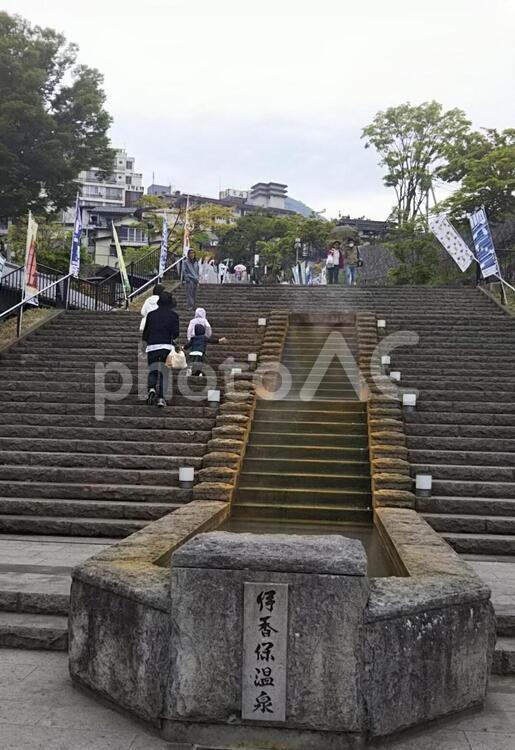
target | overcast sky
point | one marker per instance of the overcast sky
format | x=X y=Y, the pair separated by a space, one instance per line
x=209 y=93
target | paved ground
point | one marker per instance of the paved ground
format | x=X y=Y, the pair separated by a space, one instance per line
x=40 y=710
x=499 y=574
x=42 y=564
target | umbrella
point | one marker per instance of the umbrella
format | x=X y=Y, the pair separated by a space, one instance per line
x=240 y=268
x=343 y=232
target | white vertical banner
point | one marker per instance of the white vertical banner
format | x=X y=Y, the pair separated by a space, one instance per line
x=484 y=244
x=30 y=280
x=163 y=256
x=449 y=238
x=186 y=241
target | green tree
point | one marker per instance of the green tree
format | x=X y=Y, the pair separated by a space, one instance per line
x=421 y=259
x=52 y=119
x=485 y=166
x=52 y=247
x=413 y=142
x=207 y=221
x=273 y=237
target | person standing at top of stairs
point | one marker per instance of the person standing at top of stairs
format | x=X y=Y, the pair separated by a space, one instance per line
x=150 y=304
x=160 y=332
x=191 y=278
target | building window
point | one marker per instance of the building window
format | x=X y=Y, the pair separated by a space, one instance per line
x=128 y=180
x=114 y=194
x=129 y=165
x=132 y=234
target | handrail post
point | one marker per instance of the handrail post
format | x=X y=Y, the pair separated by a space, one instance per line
x=19 y=319
x=67 y=289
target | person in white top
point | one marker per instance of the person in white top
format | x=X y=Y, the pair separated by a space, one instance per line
x=150 y=304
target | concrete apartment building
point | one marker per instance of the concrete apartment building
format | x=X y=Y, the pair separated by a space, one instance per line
x=122 y=188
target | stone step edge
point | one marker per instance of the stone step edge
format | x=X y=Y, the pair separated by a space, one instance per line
x=33 y=631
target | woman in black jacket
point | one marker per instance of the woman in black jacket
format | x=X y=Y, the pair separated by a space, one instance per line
x=160 y=332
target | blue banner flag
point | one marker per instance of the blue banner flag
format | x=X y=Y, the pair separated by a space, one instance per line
x=76 y=241
x=483 y=242
x=163 y=258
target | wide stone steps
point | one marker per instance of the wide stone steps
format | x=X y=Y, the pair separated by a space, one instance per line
x=312 y=426
x=465 y=458
x=33 y=631
x=317 y=439
x=481 y=544
x=459 y=418
x=339 y=467
x=111 y=509
x=108 y=447
x=479 y=407
x=334 y=514
x=463 y=488
x=305 y=416
x=488 y=506
x=504 y=656
x=88 y=476
x=112 y=409
x=97 y=460
x=294 y=406
x=466 y=473
x=141 y=423
x=105 y=433
x=307 y=452
x=437 y=442
x=291 y=480
x=46 y=592
x=471 y=524
x=56 y=490
x=483 y=382
x=70 y=525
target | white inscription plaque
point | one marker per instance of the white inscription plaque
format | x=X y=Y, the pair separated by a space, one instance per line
x=265 y=640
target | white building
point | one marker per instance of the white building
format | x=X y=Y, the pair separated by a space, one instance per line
x=268 y=195
x=122 y=188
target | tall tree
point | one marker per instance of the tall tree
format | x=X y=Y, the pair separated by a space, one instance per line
x=52 y=119
x=485 y=167
x=412 y=142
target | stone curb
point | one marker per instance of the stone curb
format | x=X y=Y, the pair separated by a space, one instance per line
x=390 y=474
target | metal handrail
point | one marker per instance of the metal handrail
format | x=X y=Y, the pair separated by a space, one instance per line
x=32 y=296
x=151 y=281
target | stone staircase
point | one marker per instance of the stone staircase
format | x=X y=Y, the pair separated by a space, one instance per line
x=307 y=460
x=463 y=434
x=65 y=475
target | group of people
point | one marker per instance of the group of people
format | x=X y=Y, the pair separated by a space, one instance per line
x=346 y=258
x=160 y=328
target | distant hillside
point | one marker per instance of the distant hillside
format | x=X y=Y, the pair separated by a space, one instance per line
x=298 y=206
